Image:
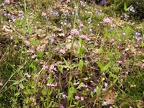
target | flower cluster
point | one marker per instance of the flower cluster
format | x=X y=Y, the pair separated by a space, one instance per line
x=132 y=9
x=51 y=84
x=79 y=98
x=74 y=32
x=84 y=37
x=106 y=20
x=52 y=68
x=40 y=48
x=44 y=67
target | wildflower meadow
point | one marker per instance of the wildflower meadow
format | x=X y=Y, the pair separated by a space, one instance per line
x=71 y=54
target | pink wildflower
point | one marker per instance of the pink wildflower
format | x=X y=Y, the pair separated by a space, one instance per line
x=36 y=59
x=44 y=67
x=81 y=25
x=7 y=1
x=43 y=14
x=74 y=32
x=62 y=51
x=84 y=85
x=84 y=37
x=40 y=48
x=68 y=1
x=52 y=68
x=30 y=51
x=106 y=20
x=82 y=98
x=77 y=97
x=51 y=85
x=64 y=96
x=33 y=56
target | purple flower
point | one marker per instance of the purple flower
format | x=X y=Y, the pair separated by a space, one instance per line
x=63 y=96
x=103 y=2
x=124 y=34
x=5 y=14
x=62 y=106
x=132 y=9
x=139 y=39
x=137 y=34
x=3 y=4
x=106 y=85
x=126 y=15
x=56 y=13
x=13 y=19
x=11 y=38
x=105 y=103
x=51 y=39
x=95 y=90
x=137 y=3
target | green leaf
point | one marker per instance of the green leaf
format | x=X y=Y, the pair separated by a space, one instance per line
x=17 y=94
x=125 y=7
x=92 y=94
x=40 y=53
x=67 y=64
x=107 y=66
x=16 y=82
x=28 y=91
x=71 y=91
x=44 y=91
x=21 y=86
x=80 y=51
x=80 y=85
x=98 y=91
x=82 y=42
x=100 y=65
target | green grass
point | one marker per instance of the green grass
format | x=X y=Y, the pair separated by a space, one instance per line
x=43 y=64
